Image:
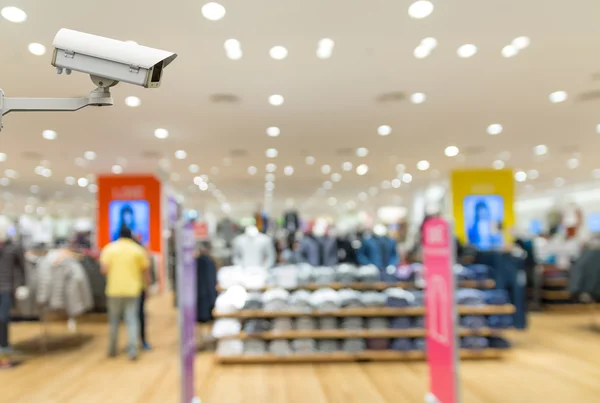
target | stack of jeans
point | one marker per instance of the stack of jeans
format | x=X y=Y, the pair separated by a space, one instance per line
x=401 y=322
x=474 y=342
x=368 y=274
x=346 y=273
x=254 y=301
x=350 y=298
x=353 y=345
x=378 y=344
x=419 y=298
x=473 y=322
x=227 y=348
x=466 y=296
x=300 y=301
x=496 y=297
x=498 y=342
x=324 y=275
x=397 y=297
x=420 y=344
x=256 y=326
x=276 y=300
x=378 y=323
x=282 y=325
x=373 y=299
x=325 y=299
x=500 y=321
x=419 y=322
x=352 y=323
x=480 y=272
x=255 y=347
x=328 y=346
x=403 y=344
x=280 y=348
x=328 y=323
x=304 y=346
x=306 y=323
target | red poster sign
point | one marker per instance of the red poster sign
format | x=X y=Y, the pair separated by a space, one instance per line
x=440 y=314
x=201 y=230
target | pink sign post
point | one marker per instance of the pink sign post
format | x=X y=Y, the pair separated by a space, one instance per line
x=440 y=313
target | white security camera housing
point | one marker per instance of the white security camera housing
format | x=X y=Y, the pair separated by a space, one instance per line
x=109 y=61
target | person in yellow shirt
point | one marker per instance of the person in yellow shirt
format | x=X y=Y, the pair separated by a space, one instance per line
x=125 y=264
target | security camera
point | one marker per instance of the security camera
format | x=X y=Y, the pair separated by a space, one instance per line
x=109 y=61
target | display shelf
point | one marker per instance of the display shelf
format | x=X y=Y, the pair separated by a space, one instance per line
x=386 y=355
x=353 y=334
x=366 y=312
x=556 y=282
x=556 y=295
x=378 y=286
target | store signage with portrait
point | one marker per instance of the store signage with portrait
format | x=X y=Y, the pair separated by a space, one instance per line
x=440 y=314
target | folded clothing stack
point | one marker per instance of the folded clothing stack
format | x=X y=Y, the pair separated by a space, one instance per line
x=403 y=344
x=399 y=298
x=328 y=346
x=368 y=274
x=325 y=299
x=306 y=323
x=305 y=274
x=378 y=344
x=257 y=326
x=285 y=276
x=254 y=278
x=496 y=297
x=228 y=348
x=419 y=322
x=466 y=296
x=226 y=327
x=352 y=323
x=346 y=273
x=255 y=347
x=373 y=299
x=353 y=346
x=328 y=323
x=499 y=342
x=304 y=346
x=231 y=300
x=378 y=323
x=229 y=276
x=419 y=344
x=401 y=322
x=474 y=343
x=282 y=325
x=276 y=299
x=473 y=321
x=253 y=301
x=280 y=348
x=350 y=298
x=324 y=275
x=300 y=301
x=500 y=321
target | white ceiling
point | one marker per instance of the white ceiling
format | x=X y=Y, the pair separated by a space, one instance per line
x=330 y=105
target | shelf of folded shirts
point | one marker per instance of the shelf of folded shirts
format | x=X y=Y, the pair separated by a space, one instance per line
x=385 y=355
x=379 y=286
x=354 y=334
x=366 y=312
x=556 y=295
x=556 y=282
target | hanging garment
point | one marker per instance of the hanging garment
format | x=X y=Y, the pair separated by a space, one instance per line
x=253 y=251
x=346 y=252
x=319 y=251
x=12 y=267
x=227 y=230
x=97 y=282
x=291 y=222
x=585 y=274
x=28 y=307
x=378 y=251
x=206 y=283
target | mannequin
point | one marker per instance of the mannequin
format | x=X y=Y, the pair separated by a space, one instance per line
x=317 y=247
x=12 y=274
x=253 y=249
x=379 y=250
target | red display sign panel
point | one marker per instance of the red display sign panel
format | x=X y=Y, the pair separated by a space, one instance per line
x=440 y=314
x=201 y=230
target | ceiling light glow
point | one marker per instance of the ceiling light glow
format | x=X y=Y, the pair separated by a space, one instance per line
x=271 y=153
x=13 y=14
x=278 y=52
x=451 y=151
x=540 y=149
x=429 y=43
x=558 y=96
x=423 y=165
x=520 y=176
x=326 y=169
x=49 y=134
x=180 y=154
x=116 y=169
x=133 y=102
x=89 y=155
x=384 y=130
x=521 y=42
x=572 y=163
x=466 y=51
x=417 y=98
x=498 y=164
x=82 y=182
x=289 y=170
x=273 y=131
x=494 y=129
x=533 y=174
x=509 y=51
x=276 y=99
x=213 y=11
x=271 y=168
x=36 y=49
x=252 y=170
x=396 y=183
x=336 y=177
x=420 y=9
x=362 y=152
x=421 y=52
x=407 y=178
x=362 y=169
x=347 y=166
x=310 y=160
x=161 y=133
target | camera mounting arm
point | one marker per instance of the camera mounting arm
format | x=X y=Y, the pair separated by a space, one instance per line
x=98 y=97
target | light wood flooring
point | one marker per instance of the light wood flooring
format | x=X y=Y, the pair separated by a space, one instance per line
x=557 y=360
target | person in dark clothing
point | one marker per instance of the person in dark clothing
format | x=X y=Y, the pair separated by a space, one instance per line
x=12 y=274
x=142 y=314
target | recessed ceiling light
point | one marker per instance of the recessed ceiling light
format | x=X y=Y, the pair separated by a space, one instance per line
x=3 y=157
x=540 y=149
x=271 y=167
x=324 y=53
x=49 y=134
x=270 y=178
x=273 y=131
x=271 y=153
x=407 y=178
x=362 y=196
x=36 y=49
x=494 y=129
x=276 y=99
x=332 y=201
x=347 y=166
x=203 y=186
x=509 y=51
x=421 y=52
x=572 y=163
x=362 y=152
x=336 y=177
x=384 y=130
x=326 y=43
x=89 y=155
x=396 y=183
x=269 y=186
x=278 y=52
x=13 y=14
x=558 y=96
x=521 y=42
x=161 y=133
x=38 y=170
x=596 y=173
x=69 y=180
x=235 y=54
x=232 y=44
x=498 y=164
x=423 y=165
x=194 y=169
x=420 y=9
x=82 y=182
x=466 y=51
x=327 y=185
x=11 y=173
x=116 y=169
x=417 y=98
x=198 y=180
x=400 y=168
x=325 y=48
x=180 y=154
x=326 y=169
x=4 y=181
x=310 y=160
x=46 y=172
x=133 y=102
x=558 y=182
x=451 y=151
x=385 y=185
x=520 y=176
x=362 y=169
x=252 y=170
x=429 y=43
x=213 y=11
x=289 y=170
x=533 y=174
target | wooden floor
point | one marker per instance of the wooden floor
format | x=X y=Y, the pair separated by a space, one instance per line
x=557 y=360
